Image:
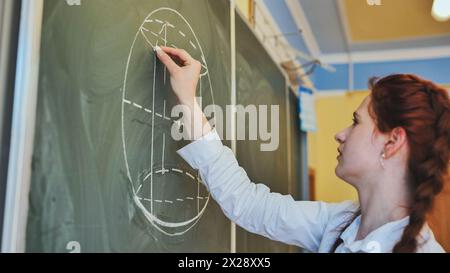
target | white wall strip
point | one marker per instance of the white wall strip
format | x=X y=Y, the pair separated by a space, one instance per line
x=407 y=54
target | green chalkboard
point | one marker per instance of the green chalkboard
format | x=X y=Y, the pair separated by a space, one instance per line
x=260 y=82
x=105 y=173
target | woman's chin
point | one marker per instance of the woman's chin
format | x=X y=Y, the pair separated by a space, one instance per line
x=339 y=171
x=344 y=176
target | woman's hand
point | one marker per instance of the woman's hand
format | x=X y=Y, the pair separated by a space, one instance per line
x=184 y=75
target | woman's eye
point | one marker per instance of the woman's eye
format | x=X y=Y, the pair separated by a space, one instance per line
x=355 y=122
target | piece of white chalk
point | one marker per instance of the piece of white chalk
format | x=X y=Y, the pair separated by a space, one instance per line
x=156 y=48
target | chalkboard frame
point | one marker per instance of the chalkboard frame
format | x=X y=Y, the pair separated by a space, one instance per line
x=22 y=128
x=9 y=31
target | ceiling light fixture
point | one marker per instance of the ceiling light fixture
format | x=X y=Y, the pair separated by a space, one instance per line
x=441 y=10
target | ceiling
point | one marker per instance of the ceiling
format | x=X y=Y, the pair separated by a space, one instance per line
x=394 y=20
x=340 y=26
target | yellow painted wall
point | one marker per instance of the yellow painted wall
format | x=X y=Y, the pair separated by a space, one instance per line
x=243 y=6
x=333 y=114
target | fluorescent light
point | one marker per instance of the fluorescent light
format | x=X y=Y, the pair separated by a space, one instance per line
x=441 y=10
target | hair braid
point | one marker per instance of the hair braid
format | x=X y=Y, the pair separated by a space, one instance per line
x=427 y=166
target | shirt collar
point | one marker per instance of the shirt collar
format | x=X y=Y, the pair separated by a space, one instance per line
x=381 y=239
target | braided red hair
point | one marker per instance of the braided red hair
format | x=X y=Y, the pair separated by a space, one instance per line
x=422 y=108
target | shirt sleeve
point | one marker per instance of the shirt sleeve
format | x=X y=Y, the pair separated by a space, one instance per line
x=252 y=206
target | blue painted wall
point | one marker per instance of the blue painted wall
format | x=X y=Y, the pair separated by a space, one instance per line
x=436 y=70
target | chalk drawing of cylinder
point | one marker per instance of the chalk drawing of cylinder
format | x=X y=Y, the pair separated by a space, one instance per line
x=169 y=194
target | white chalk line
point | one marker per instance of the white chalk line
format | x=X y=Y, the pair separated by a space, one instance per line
x=154 y=34
x=146 y=39
x=163 y=171
x=177 y=199
x=160 y=22
x=177 y=170
x=164 y=27
x=164 y=109
x=138 y=106
x=147 y=176
x=192 y=44
x=163 y=151
x=138 y=189
x=204 y=74
x=165 y=44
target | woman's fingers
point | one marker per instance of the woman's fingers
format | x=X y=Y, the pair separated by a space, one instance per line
x=184 y=72
x=166 y=60
x=180 y=53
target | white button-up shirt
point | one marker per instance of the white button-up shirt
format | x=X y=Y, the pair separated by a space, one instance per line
x=311 y=225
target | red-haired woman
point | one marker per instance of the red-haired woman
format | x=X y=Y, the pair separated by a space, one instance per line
x=395 y=154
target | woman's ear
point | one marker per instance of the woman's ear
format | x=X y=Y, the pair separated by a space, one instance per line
x=396 y=140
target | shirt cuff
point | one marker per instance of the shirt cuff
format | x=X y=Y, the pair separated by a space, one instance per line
x=202 y=150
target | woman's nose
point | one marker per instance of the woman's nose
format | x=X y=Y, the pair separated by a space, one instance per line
x=339 y=137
